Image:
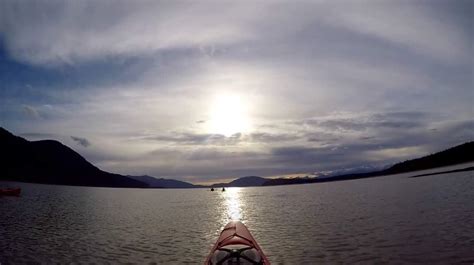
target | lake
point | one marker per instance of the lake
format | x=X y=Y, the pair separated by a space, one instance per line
x=391 y=219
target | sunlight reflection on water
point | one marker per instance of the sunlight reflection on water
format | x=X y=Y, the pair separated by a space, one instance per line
x=233 y=203
x=360 y=221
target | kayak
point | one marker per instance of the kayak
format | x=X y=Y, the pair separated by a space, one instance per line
x=236 y=245
x=10 y=192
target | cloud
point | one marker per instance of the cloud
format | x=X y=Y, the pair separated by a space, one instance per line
x=291 y=153
x=265 y=137
x=414 y=26
x=120 y=28
x=348 y=122
x=395 y=153
x=196 y=139
x=31 y=112
x=188 y=138
x=327 y=85
x=81 y=141
x=39 y=135
x=140 y=28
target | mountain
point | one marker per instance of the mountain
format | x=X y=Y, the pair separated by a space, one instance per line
x=163 y=183
x=249 y=181
x=456 y=155
x=354 y=170
x=51 y=162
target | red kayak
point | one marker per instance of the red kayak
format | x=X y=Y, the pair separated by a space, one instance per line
x=10 y=192
x=236 y=246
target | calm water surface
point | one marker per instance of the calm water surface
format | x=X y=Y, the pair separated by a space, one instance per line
x=393 y=219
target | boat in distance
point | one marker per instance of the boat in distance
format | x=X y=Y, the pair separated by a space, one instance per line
x=10 y=192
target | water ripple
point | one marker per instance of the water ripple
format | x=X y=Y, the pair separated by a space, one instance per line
x=383 y=220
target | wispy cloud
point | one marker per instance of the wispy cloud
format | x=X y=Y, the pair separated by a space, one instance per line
x=81 y=141
x=415 y=27
x=121 y=28
x=31 y=112
x=365 y=141
x=142 y=28
x=38 y=135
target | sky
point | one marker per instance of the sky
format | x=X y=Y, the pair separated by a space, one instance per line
x=205 y=91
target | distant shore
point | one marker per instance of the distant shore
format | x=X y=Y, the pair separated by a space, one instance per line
x=444 y=172
x=51 y=162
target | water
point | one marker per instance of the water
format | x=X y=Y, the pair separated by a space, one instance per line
x=393 y=219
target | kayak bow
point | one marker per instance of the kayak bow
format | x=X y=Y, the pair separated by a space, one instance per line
x=236 y=245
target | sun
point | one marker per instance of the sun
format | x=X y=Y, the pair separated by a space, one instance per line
x=229 y=114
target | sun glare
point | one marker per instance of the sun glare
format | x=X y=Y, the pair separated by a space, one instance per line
x=233 y=204
x=229 y=115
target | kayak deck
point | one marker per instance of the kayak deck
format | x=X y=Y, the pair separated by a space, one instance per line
x=236 y=245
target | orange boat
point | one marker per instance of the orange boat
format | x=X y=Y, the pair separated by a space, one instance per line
x=236 y=245
x=10 y=192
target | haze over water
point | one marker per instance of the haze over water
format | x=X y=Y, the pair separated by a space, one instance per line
x=392 y=219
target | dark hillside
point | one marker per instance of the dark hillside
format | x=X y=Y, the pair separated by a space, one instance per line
x=456 y=155
x=51 y=162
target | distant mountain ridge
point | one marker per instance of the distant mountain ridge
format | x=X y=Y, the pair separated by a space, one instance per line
x=456 y=155
x=163 y=183
x=51 y=162
x=248 y=181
